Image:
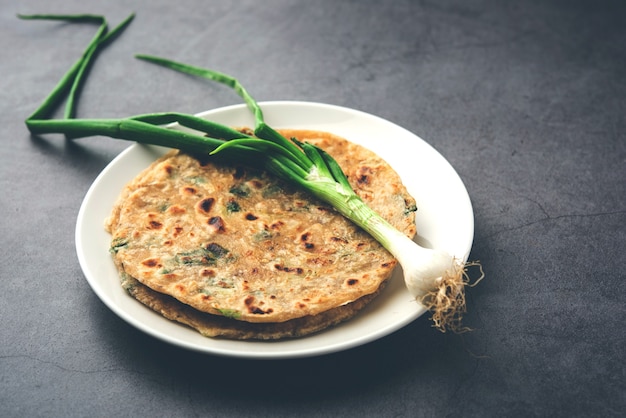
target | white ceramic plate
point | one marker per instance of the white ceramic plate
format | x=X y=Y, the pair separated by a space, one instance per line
x=444 y=220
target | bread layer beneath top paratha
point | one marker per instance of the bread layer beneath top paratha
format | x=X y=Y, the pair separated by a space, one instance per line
x=214 y=326
x=237 y=242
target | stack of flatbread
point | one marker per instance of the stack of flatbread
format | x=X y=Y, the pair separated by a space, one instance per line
x=233 y=252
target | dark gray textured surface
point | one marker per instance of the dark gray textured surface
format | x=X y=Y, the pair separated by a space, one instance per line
x=527 y=100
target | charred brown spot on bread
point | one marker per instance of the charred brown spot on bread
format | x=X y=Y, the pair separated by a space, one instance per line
x=257 y=184
x=155 y=224
x=151 y=262
x=205 y=205
x=277 y=225
x=352 y=282
x=258 y=311
x=363 y=174
x=189 y=190
x=251 y=217
x=168 y=169
x=254 y=309
x=305 y=238
x=297 y=270
x=177 y=230
x=208 y=273
x=217 y=223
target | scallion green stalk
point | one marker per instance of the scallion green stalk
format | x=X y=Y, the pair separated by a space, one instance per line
x=433 y=277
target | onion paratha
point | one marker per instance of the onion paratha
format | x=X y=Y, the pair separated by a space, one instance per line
x=233 y=251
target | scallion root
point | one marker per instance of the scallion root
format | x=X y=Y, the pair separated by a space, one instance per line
x=447 y=302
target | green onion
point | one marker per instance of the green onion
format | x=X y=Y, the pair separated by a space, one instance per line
x=73 y=79
x=433 y=277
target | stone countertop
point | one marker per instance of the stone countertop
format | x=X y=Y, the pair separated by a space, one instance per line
x=526 y=100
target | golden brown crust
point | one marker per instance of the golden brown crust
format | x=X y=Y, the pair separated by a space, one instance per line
x=219 y=326
x=236 y=242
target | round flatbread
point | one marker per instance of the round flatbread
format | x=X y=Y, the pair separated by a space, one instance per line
x=237 y=243
x=220 y=326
